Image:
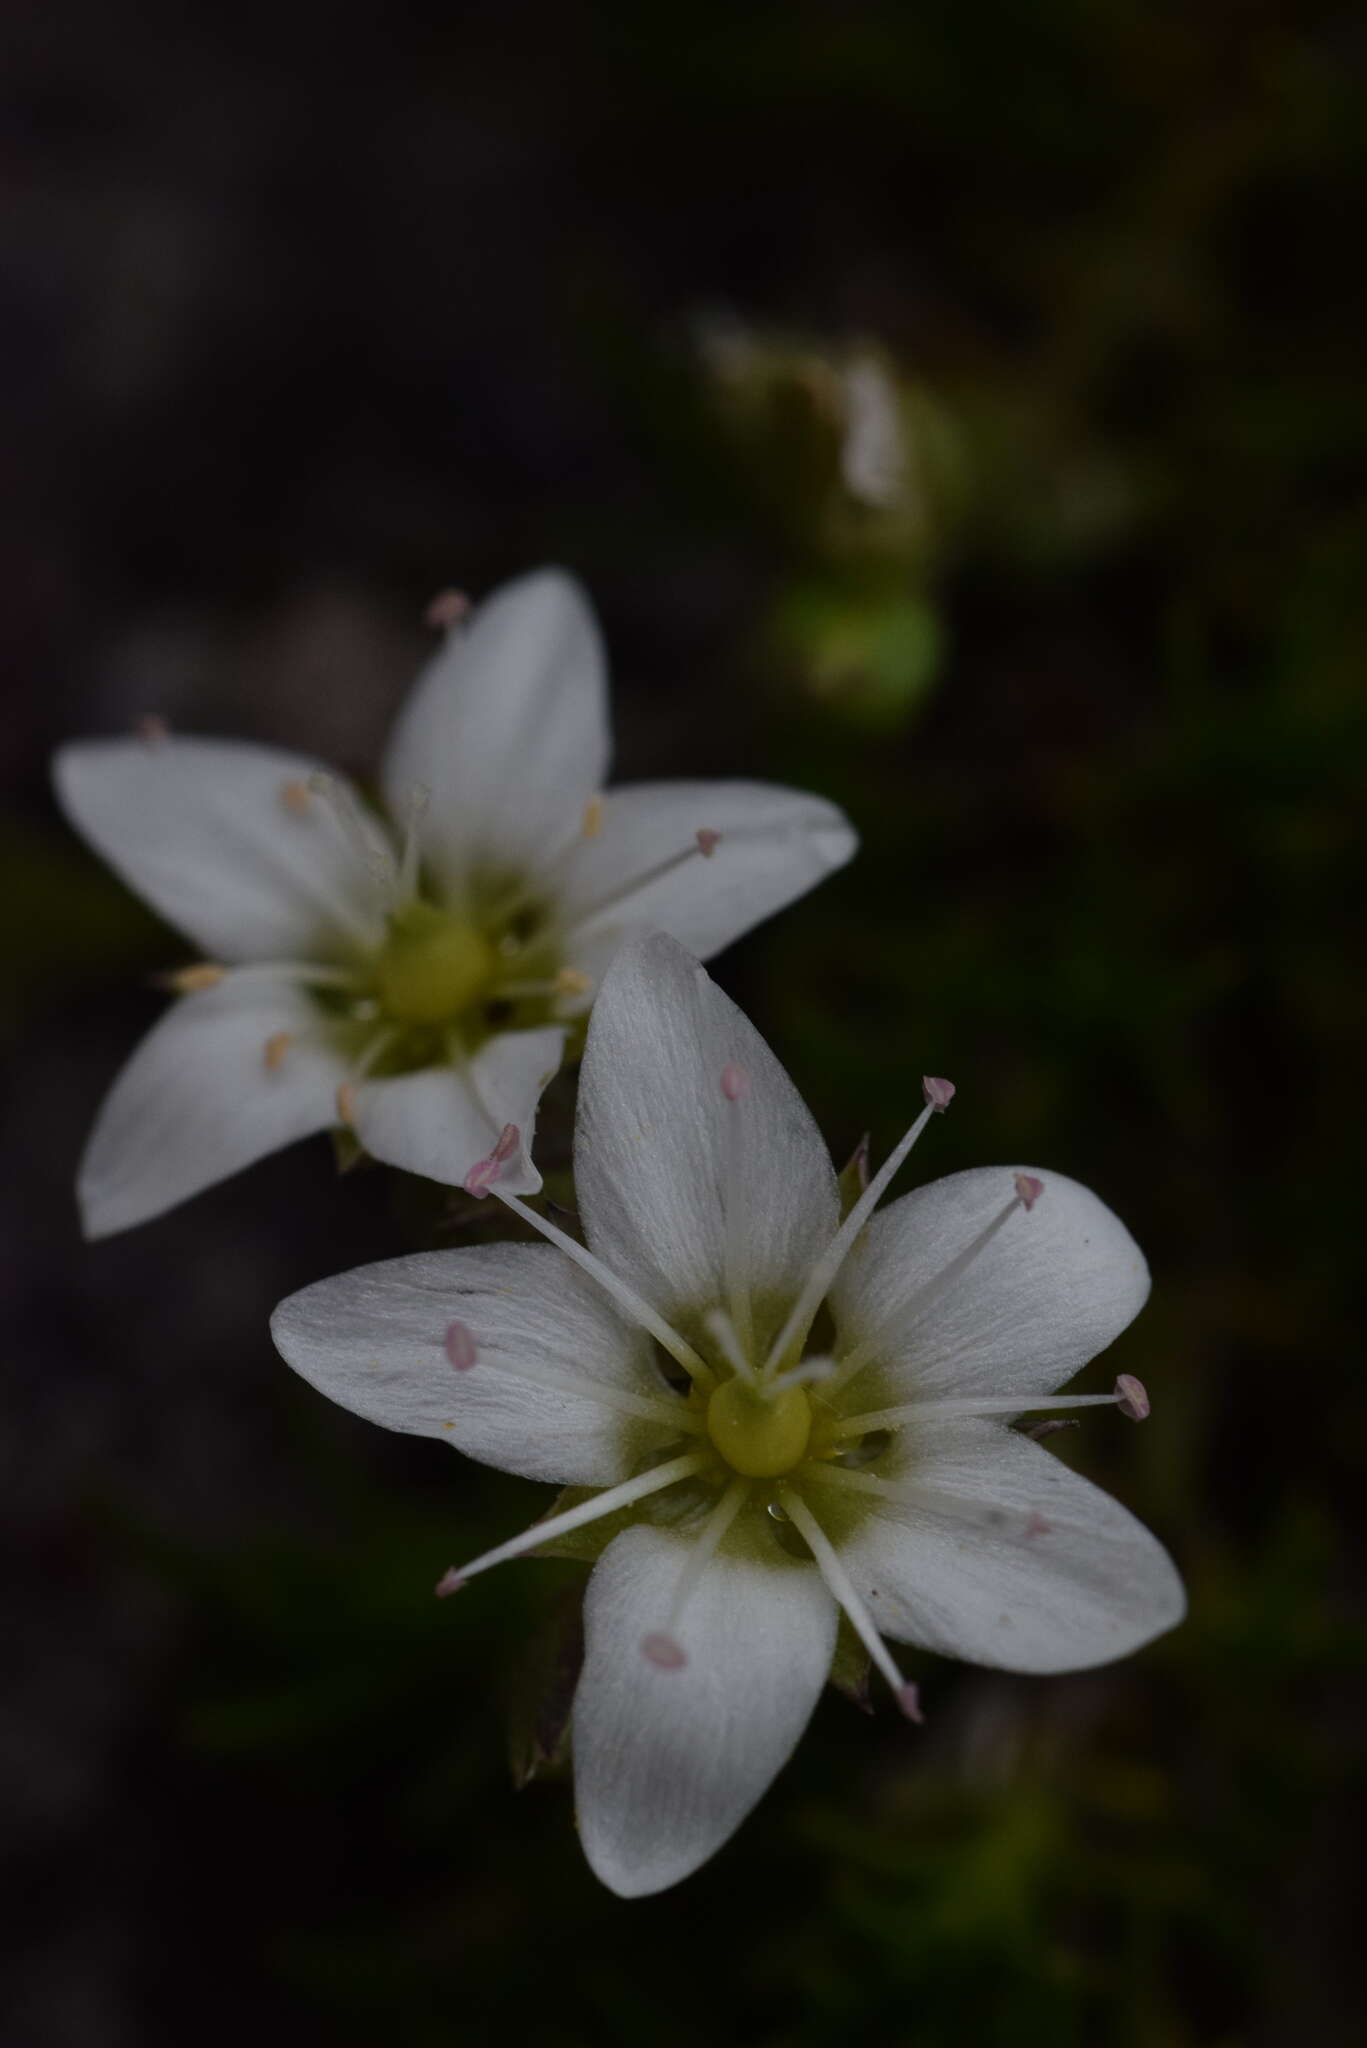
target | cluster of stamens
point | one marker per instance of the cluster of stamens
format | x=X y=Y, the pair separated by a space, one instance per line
x=764 y=1424
x=422 y=982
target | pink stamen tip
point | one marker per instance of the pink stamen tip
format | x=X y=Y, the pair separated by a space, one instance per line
x=708 y=843
x=663 y=1651
x=449 y=1582
x=939 y=1093
x=733 y=1081
x=1132 y=1397
x=461 y=1347
x=909 y=1700
x=447 y=609
x=1028 y=1189
x=485 y=1172
x=508 y=1140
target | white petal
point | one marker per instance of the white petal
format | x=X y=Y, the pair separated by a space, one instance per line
x=651 y=1145
x=197 y=1101
x=205 y=831
x=667 y=1764
x=1002 y=1555
x=1050 y=1289
x=441 y=1121
x=774 y=845
x=548 y=1348
x=507 y=729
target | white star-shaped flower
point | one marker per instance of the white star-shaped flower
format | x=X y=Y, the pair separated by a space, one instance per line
x=414 y=979
x=794 y=1415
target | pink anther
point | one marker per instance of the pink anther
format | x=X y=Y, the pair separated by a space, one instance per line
x=664 y=1652
x=449 y=1583
x=1028 y=1189
x=447 y=609
x=733 y=1081
x=908 y=1698
x=708 y=843
x=938 y=1092
x=461 y=1347
x=1132 y=1397
x=485 y=1172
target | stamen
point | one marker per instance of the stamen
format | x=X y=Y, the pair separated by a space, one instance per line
x=841 y=1585
x=1132 y=1397
x=346 y=1093
x=1029 y=1189
x=1129 y=1396
x=593 y=818
x=482 y=1179
x=919 y=1300
x=460 y=1346
x=153 y=730
x=297 y=798
x=938 y=1095
x=419 y=797
x=818 y=1367
x=572 y=981
x=343 y=808
x=447 y=609
x=606 y=1503
x=662 y=1646
x=735 y=1086
x=720 y=1326
x=704 y=843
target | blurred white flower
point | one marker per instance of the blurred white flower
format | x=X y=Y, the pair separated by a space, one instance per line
x=412 y=979
x=788 y=1416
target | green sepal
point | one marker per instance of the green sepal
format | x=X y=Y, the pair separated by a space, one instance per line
x=851 y=1668
x=541 y=1691
x=854 y=1176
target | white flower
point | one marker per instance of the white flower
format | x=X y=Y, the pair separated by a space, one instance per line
x=801 y=1415
x=417 y=984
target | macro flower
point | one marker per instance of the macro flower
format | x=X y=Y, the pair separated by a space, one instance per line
x=772 y=1414
x=414 y=975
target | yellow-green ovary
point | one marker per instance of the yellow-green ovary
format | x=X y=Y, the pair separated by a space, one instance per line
x=759 y=1434
x=432 y=965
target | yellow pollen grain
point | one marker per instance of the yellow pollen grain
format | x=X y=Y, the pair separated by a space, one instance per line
x=593 y=817
x=572 y=981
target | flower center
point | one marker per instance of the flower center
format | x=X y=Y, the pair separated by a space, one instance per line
x=759 y=1431
x=432 y=965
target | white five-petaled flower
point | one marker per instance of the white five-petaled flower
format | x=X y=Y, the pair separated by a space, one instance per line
x=795 y=1415
x=414 y=980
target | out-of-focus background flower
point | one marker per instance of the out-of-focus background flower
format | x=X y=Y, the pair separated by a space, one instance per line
x=955 y=409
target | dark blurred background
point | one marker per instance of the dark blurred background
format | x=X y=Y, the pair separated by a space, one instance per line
x=307 y=311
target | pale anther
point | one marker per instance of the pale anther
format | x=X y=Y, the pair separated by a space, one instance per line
x=593 y=817
x=1131 y=1397
x=346 y=1103
x=1028 y=1189
x=297 y=798
x=446 y=609
x=461 y=1348
x=274 y=1050
x=733 y=1081
x=938 y=1092
x=187 y=981
x=908 y=1698
x=662 y=1650
x=708 y=843
x=572 y=981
